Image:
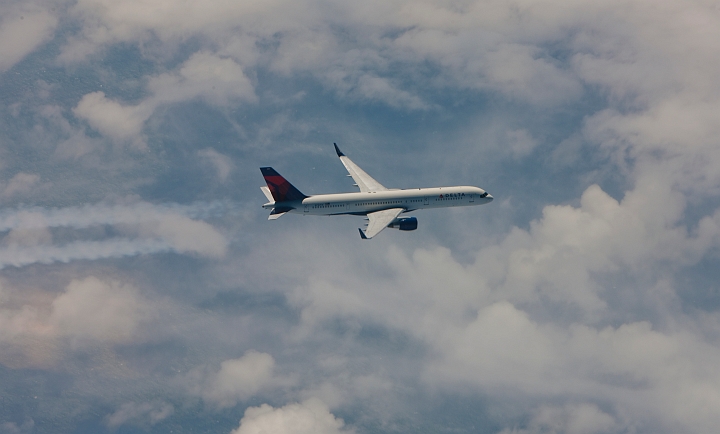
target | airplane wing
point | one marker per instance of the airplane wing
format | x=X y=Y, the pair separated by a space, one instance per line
x=362 y=179
x=379 y=221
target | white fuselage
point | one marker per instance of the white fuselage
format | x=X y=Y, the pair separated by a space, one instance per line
x=363 y=203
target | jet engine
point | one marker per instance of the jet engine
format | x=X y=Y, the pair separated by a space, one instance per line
x=404 y=224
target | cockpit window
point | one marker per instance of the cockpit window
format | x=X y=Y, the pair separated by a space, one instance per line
x=484 y=194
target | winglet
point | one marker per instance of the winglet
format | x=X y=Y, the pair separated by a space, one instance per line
x=362 y=234
x=364 y=181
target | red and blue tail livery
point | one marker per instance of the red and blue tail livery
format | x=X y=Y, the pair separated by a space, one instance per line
x=280 y=188
x=381 y=206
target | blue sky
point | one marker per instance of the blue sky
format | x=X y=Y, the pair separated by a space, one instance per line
x=142 y=288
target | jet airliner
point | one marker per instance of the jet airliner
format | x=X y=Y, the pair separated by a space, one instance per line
x=381 y=206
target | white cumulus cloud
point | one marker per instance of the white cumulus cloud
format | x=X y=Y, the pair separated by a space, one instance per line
x=98 y=310
x=238 y=379
x=36 y=325
x=22 y=29
x=309 y=417
x=217 y=80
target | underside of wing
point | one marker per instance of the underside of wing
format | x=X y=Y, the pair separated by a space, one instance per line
x=379 y=220
x=364 y=181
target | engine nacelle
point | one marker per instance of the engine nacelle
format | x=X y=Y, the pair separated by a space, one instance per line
x=404 y=224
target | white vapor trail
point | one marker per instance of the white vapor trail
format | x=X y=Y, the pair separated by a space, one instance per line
x=79 y=250
x=101 y=214
x=159 y=228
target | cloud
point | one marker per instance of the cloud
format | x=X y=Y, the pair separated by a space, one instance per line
x=674 y=137
x=572 y=418
x=239 y=379
x=98 y=310
x=504 y=341
x=373 y=88
x=520 y=142
x=538 y=312
x=111 y=118
x=185 y=235
x=20 y=184
x=474 y=59
x=218 y=80
x=309 y=417
x=504 y=349
x=90 y=312
x=140 y=413
x=587 y=316
x=14 y=428
x=222 y=164
x=204 y=75
x=559 y=261
x=28 y=237
x=106 y=22
x=15 y=321
x=22 y=29
x=484 y=45
x=305 y=40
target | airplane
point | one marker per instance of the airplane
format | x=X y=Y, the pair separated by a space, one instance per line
x=381 y=206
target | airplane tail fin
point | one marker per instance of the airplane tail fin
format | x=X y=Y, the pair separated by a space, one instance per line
x=280 y=188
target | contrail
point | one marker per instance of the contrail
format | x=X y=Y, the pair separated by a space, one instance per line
x=100 y=214
x=80 y=250
x=163 y=228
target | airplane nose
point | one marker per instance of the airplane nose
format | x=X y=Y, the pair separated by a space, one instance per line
x=489 y=197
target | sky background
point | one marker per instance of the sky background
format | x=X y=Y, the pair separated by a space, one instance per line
x=142 y=288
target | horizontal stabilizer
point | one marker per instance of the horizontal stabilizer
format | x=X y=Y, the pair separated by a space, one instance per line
x=266 y=192
x=276 y=213
x=275 y=216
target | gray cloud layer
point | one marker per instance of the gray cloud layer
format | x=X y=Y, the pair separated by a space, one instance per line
x=583 y=300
